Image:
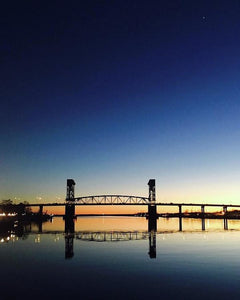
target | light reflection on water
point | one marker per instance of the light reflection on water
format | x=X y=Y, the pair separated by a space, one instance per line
x=191 y=264
x=140 y=224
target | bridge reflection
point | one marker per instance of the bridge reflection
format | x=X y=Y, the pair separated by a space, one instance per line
x=69 y=237
x=111 y=236
x=13 y=231
x=108 y=236
x=119 y=236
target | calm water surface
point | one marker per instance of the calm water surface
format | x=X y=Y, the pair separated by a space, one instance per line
x=116 y=258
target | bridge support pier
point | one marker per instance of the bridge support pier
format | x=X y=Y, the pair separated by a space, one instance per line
x=224 y=209
x=203 y=211
x=180 y=217
x=152 y=211
x=152 y=224
x=225 y=220
x=69 y=211
x=180 y=210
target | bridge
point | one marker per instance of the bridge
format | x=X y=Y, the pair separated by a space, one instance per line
x=118 y=200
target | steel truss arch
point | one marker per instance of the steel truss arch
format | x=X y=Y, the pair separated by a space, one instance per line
x=111 y=199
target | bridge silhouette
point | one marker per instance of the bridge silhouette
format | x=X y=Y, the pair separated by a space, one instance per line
x=119 y=200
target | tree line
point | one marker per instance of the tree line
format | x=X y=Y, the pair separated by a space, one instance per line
x=7 y=206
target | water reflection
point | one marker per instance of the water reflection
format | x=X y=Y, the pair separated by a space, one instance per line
x=116 y=236
x=203 y=224
x=226 y=224
x=69 y=237
x=105 y=236
x=180 y=223
x=152 y=245
x=13 y=231
x=117 y=257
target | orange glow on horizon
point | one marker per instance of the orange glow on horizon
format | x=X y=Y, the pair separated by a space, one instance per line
x=106 y=209
x=136 y=224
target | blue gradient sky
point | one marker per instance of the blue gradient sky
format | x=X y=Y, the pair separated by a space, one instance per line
x=112 y=93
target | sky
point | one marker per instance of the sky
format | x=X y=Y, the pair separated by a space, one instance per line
x=113 y=93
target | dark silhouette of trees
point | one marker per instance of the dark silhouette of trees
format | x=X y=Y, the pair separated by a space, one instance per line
x=7 y=206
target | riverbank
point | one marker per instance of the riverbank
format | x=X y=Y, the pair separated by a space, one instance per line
x=31 y=217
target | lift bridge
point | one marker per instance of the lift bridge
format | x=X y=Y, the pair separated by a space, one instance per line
x=72 y=201
x=117 y=200
x=110 y=199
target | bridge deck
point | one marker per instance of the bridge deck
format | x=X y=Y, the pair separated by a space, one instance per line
x=125 y=200
x=157 y=204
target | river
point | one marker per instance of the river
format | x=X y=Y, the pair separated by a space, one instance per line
x=117 y=258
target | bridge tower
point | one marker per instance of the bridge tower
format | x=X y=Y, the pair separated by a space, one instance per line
x=69 y=216
x=70 y=190
x=152 y=209
x=70 y=206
